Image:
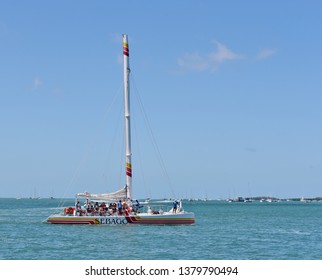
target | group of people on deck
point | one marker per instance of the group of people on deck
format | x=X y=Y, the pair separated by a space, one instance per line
x=102 y=209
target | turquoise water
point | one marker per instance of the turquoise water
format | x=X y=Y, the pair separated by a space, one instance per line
x=283 y=230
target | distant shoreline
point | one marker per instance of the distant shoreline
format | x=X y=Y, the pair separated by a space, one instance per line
x=253 y=198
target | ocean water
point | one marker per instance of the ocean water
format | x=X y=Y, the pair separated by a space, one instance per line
x=223 y=231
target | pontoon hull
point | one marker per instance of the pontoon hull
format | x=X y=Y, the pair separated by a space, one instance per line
x=158 y=219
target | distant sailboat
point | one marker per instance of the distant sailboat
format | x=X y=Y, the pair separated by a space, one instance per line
x=34 y=195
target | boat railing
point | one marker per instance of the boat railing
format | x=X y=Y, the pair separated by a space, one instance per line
x=150 y=208
x=155 y=209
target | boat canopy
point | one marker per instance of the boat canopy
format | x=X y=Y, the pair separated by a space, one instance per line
x=118 y=195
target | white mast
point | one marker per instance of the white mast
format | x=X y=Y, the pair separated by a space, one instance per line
x=128 y=152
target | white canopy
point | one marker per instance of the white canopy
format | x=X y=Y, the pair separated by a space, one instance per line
x=118 y=195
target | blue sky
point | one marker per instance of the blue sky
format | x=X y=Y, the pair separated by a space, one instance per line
x=232 y=91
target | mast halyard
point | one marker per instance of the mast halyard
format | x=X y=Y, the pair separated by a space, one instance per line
x=128 y=152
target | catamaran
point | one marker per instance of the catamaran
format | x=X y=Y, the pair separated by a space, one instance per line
x=118 y=208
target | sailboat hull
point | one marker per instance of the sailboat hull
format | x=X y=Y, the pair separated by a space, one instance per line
x=144 y=218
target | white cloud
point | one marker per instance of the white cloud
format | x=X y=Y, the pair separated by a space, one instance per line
x=265 y=53
x=212 y=60
x=37 y=83
x=209 y=61
x=193 y=61
x=222 y=54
